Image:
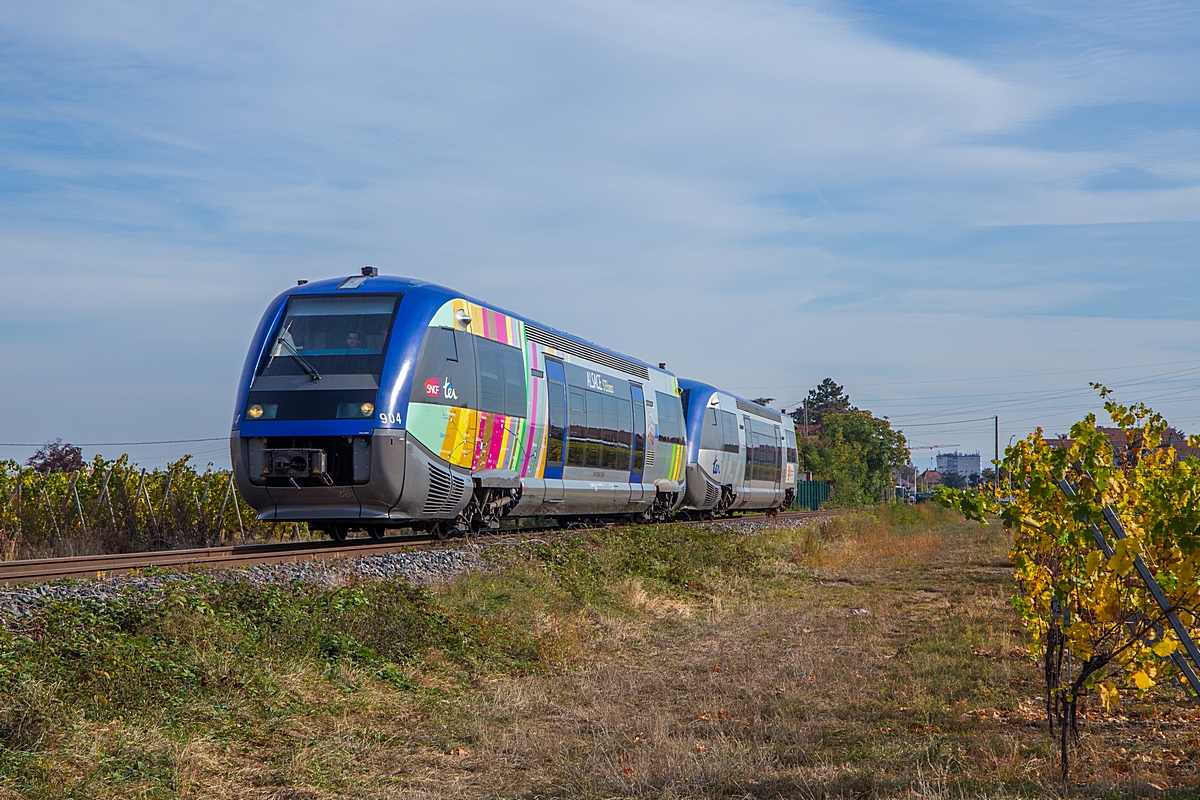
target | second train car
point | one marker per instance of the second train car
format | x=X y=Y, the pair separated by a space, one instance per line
x=741 y=455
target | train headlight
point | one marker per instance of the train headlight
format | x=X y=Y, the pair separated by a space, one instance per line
x=367 y=409
x=255 y=411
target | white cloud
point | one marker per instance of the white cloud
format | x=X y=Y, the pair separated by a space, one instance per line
x=170 y=168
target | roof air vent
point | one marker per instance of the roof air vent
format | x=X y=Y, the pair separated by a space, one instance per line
x=371 y=272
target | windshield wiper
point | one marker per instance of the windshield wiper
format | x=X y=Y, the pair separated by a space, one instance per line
x=304 y=365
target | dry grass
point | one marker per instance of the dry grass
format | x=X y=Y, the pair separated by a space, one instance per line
x=794 y=692
x=868 y=657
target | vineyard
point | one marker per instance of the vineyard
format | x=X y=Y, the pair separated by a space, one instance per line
x=1106 y=551
x=115 y=506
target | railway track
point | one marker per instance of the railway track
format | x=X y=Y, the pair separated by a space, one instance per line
x=44 y=570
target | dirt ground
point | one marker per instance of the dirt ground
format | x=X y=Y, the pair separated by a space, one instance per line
x=878 y=663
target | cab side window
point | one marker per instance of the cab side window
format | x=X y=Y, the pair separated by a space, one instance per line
x=729 y=432
x=445 y=373
x=711 y=437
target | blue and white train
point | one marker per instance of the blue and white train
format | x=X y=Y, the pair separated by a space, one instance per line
x=372 y=402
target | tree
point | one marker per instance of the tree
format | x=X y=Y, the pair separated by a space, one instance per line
x=763 y=401
x=856 y=452
x=56 y=457
x=827 y=398
x=953 y=480
x=1094 y=527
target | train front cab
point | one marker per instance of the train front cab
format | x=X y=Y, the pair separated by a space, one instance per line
x=741 y=456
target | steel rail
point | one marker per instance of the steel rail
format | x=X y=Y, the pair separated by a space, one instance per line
x=43 y=570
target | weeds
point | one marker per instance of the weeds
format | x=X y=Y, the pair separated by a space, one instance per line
x=704 y=661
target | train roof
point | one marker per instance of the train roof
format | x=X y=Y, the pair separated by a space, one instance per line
x=686 y=384
x=437 y=295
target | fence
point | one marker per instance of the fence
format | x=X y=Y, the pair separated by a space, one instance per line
x=810 y=494
x=115 y=506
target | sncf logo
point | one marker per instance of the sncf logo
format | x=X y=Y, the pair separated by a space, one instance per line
x=435 y=388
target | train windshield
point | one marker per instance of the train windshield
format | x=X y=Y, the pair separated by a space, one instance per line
x=332 y=336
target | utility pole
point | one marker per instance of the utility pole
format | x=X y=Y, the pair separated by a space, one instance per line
x=806 y=417
x=996 y=467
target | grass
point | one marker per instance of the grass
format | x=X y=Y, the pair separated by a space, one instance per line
x=872 y=655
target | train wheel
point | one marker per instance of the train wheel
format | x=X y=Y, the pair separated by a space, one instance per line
x=441 y=530
x=376 y=531
x=337 y=532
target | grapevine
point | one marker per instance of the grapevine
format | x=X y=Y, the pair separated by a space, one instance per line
x=1093 y=621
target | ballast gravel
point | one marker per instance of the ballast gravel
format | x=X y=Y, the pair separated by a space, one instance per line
x=420 y=567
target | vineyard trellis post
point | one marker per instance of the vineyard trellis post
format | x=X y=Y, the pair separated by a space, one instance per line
x=162 y=512
x=220 y=521
x=200 y=503
x=66 y=506
x=50 y=510
x=100 y=499
x=237 y=506
x=79 y=506
x=1190 y=679
x=144 y=492
x=15 y=500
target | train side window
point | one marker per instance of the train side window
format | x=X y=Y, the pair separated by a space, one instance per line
x=491 y=377
x=577 y=445
x=611 y=459
x=514 y=381
x=710 y=436
x=595 y=428
x=624 y=434
x=449 y=344
x=729 y=432
x=501 y=378
x=670 y=419
x=793 y=456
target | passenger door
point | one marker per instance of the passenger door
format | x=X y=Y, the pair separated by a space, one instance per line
x=638 y=467
x=556 y=444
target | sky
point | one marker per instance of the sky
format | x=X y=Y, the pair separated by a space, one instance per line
x=957 y=210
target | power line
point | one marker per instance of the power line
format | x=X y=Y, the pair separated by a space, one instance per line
x=1004 y=377
x=955 y=422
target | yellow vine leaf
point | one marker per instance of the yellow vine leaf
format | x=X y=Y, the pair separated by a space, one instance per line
x=1094 y=561
x=1108 y=695
x=1122 y=560
x=1165 y=648
x=1142 y=680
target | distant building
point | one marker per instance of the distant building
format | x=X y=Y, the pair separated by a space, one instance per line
x=965 y=464
x=905 y=477
x=931 y=477
x=1120 y=441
